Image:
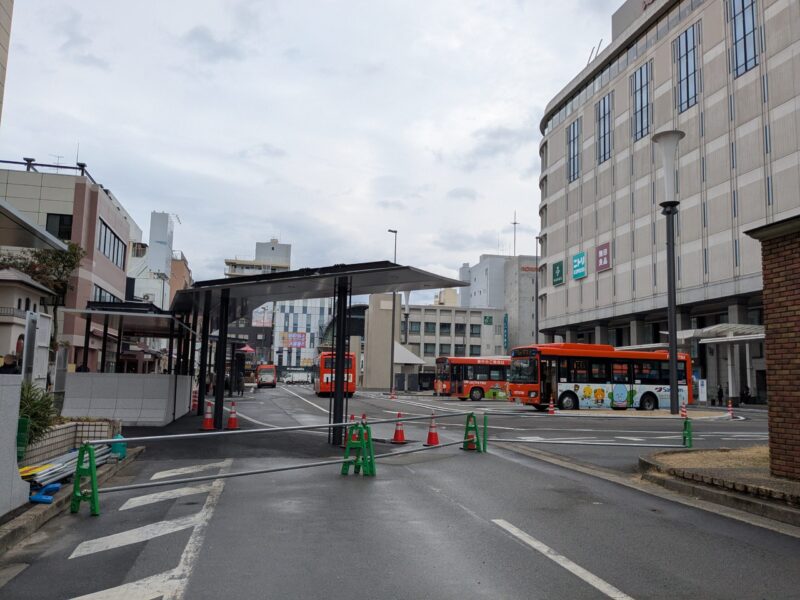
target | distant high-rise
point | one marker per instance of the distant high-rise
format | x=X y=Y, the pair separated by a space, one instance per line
x=271 y=257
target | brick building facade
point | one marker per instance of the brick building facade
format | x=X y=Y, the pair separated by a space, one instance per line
x=780 y=249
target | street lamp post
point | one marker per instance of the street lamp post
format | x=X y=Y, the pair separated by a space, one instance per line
x=536 y=292
x=668 y=144
x=394 y=308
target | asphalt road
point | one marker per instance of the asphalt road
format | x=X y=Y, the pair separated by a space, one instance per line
x=444 y=523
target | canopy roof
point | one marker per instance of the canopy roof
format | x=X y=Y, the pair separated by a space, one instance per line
x=250 y=291
x=136 y=323
x=16 y=230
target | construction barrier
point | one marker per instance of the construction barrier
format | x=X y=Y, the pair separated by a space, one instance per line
x=359 y=451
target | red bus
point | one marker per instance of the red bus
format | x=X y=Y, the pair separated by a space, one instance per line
x=470 y=377
x=266 y=376
x=595 y=375
x=323 y=374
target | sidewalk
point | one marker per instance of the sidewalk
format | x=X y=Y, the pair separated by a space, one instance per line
x=737 y=478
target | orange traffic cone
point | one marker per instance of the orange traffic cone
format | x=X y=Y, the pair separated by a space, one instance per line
x=683 y=411
x=730 y=408
x=471 y=442
x=233 y=418
x=208 y=420
x=399 y=432
x=393 y=395
x=433 y=435
x=551 y=408
x=364 y=422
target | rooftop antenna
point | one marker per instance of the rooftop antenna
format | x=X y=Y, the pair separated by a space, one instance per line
x=515 y=223
x=590 y=56
x=596 y=54
x=77 y=153
x=58 y=158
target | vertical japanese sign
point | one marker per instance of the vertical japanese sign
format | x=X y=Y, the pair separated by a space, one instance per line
x=603 y=257
x=558 y=272
x=579 y=265
x=505 y=331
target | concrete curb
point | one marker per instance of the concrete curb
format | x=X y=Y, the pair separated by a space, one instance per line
x=28 y=522
x=753 y=499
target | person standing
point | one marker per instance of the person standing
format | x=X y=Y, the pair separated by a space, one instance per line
x=240 y=384
x=720 y=394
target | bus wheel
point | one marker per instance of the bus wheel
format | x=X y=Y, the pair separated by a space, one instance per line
x=648 y=402
x=568 y=401
x=476 y=394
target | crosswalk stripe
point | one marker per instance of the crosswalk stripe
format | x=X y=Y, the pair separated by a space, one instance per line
x=134 y=536
x=188 y=470
x=168 y=495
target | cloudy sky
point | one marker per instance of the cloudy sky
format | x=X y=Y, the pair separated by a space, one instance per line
x=322 y=123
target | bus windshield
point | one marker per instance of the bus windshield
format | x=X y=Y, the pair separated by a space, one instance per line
x=523 y=370
x=443 y=371
x=348 y=363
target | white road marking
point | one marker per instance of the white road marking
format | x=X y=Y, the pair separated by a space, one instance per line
x=169 y=585
x=325 y=410
x=630 y=439
x=188 y=470
x=561 y=560
x=134 y=536
x=168 y=495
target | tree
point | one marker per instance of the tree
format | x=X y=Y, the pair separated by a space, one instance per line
x=52 y=268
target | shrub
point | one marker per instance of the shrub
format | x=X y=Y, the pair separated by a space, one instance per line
x=37 y=404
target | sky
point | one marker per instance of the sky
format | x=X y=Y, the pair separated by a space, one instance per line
x=321 y=123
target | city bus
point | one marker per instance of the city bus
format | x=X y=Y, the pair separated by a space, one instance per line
x=323 y=374
x=470 y=377
x=266 y=376
x=595 y=375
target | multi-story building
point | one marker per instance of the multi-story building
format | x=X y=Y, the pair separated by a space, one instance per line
x=73 y=207
x=150 y=265
x=724 y=72
x=271 y=257
x=504 y=282
x=180 y=275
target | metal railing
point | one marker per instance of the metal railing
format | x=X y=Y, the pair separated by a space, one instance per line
x=10 y=311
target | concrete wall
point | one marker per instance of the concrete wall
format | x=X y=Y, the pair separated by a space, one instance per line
x=13 y=491
x=377 y=333
x=131 y=398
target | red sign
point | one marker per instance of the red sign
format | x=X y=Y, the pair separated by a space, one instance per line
x=603 y=257
x=527 y=268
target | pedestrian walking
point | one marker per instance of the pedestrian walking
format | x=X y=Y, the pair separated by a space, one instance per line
x=720 y=394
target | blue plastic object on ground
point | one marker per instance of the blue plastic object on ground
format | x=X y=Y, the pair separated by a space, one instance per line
x=45 y=495
x=119 y=448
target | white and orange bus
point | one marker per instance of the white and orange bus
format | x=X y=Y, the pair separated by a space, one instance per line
x=266 y=376
x=323 y=374
x=595 y=375
x=470 y=377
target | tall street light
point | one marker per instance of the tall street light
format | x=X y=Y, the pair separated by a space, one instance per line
x=394 y=302
x=536 y=292
x=667 y=142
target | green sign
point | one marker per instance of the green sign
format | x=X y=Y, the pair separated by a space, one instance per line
x=579 y=265
x=487 y=320
x=558 y=272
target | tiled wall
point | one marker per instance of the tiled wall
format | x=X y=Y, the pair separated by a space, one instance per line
x=63 y=438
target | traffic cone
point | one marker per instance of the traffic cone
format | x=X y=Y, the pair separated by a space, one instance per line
x=393 y=395
x=233 y=419
x=551 y=408
x=208 y=420
x=433 y=435
x=470 y=442
x=730 y=408
x=683 y=411
x=353 y=430
x=399 y=432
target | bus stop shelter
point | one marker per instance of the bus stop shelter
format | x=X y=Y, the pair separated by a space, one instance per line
x=216 y=303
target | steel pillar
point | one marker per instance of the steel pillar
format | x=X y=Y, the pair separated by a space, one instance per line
x=202 y=377
x=339 y=342
x=104 y=346
x=222 y=349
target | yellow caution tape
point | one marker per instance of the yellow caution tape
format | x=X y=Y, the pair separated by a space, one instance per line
x=28 y=471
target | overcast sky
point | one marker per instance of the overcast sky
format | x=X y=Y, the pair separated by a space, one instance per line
x=321 y=123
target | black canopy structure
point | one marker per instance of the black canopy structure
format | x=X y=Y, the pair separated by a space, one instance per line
x=222 y=301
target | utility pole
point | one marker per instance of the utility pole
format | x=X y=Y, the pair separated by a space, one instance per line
x=394 y=308
x=515 y=223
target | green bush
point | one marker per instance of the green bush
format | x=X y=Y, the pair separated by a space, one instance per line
x=37 y=404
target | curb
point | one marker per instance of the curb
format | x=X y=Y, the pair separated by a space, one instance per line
x=758 y=501
x=37 y=515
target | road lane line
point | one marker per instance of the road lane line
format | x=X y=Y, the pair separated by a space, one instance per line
x=168 y=495
x=188 y=470
x=134 y=536
x=325 y=410
x=561 y=560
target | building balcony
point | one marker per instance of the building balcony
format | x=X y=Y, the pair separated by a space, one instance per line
x=9 y=312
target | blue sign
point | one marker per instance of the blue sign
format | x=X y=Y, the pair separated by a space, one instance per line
x=579 y=265
x=505 y=331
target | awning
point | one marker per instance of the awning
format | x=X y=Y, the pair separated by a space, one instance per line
x=18 y=231
x=403 y=356
x=134 y=324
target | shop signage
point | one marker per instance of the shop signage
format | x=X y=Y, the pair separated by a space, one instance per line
x=579 y=265
x=558 y=272
x=603 y=257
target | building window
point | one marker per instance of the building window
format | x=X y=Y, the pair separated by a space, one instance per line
x=414 y=327
x=640 y=90
x=602 y=111
x=444 y=328
x=430 y=349
x=59 y=226
x=430 y=328
x=461 y=329
x=475 y=350
x=112 y=247
x=460 y=350
x=101 y=295
x=573 y=149
x=743 y=21
x=444 y=349
x=684 y=50
x=475 y=330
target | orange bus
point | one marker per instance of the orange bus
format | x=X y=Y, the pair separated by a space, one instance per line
x=266 y=376
x=470 y=377
x=323 y=374
x=595 y=375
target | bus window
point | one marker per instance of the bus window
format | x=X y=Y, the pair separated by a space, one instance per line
x=598 y=371
x=681 y=372
x=619 y=372
x=580 y=370
x=646 y=371
x=329 y=363
x=496 y=374
x=563 y=370
x=523 y=370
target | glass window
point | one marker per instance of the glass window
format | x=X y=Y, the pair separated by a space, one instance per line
x=60 y=226
x=685 y=52
x=430 y=328
x=598 y=371
x=444 y=328
x=573 y=150
x=475 y=350
x=619 y=372
x=444 y=349
x=460 y=350
x=413 y=327
x=602 y=111
x=580 y=370
x=646 y=371
x=743 y=21
x=475 y=330
x=430 y=349
x=640 y=90
x=461 y=329
x=101 y=295
x=110 y=245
